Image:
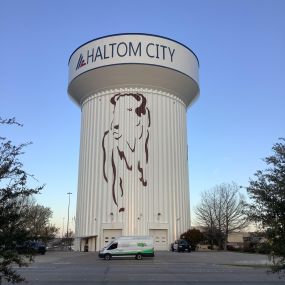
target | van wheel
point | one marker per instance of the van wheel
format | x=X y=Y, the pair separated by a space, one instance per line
x=107 y=256
x=139 y=256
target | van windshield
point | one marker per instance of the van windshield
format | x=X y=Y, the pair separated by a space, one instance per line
x=108 y=244
x=113 y=246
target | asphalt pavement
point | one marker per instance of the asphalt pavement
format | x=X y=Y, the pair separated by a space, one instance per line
x=196 y=268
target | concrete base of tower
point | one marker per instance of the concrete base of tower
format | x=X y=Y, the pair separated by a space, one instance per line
x=161 y=233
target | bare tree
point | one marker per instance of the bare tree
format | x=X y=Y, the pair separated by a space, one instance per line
x=221 y=211
x=36 y=218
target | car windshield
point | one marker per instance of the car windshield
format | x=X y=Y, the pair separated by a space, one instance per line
x=184 y=242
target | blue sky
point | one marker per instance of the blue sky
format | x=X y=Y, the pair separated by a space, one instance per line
x=231 y=127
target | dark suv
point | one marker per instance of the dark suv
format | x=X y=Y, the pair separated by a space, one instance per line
x=180 y=245
x=31 y=247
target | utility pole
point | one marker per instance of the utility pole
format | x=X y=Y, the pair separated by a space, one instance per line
x=67 y=235
x=62 y=230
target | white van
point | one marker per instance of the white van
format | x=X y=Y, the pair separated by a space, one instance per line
x=137 y=246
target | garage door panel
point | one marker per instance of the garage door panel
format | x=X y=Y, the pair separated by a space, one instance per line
x=159 y=239
x=109 y=235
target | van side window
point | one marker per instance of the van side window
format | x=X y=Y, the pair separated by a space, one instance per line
x=113 y=246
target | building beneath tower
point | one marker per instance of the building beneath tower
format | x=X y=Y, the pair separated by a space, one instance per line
x=133 y=91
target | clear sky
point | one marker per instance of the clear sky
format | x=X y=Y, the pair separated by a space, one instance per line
x=231 y=127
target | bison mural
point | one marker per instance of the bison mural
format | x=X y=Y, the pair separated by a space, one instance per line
x=125 y=143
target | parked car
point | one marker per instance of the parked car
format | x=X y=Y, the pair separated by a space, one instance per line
x=180 y=245
x=31 y=247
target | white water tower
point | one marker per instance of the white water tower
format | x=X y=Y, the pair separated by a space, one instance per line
x=133 y=91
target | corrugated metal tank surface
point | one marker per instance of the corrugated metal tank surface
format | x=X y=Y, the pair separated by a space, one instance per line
x=133 y=169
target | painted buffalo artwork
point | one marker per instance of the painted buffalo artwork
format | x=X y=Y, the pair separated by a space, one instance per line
x=125 y=143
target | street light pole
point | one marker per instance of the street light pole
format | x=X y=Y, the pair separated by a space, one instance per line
x=62 y=231
x=69 y=193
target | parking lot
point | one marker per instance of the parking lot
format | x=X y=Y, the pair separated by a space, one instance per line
x=165 y=268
